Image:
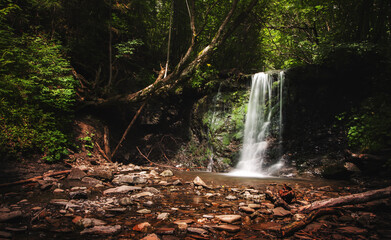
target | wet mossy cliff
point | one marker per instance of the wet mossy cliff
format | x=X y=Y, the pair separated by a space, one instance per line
x=331 y=112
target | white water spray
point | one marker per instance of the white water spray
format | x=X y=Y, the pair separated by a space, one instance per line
x=260 y=109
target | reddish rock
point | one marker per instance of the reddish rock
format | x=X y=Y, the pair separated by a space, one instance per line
x=229 y=218
x=227 y=227
x=272 y=226
x=76 y=219
x=165 y=231
x=247 y=209
x=280 y=212
x=187 y=221
x=142 y=227
x=151 y=237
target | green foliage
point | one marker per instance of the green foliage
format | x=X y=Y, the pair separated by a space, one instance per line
x=88 y=144
x=127 y=49
x=203 y=75
x=37 y=96
x=303 y=32
x=369 y=127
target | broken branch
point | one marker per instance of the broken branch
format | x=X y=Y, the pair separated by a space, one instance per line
x=34 y=179
x=349 y=199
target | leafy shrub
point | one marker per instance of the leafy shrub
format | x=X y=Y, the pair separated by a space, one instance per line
x=369 y=127
x=37 y=96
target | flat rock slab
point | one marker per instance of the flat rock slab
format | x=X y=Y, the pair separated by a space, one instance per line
x=90 y=222
x=102 y=230
x=247 y=209
x=227 y=227
x=121 y=189
x=199 y=231
x=272 y=226
x=254 y=206
x=229 y=218
x=76 y=174
x=91 y=181
x=165 y=231
x=8 y=216
x=187 y=221
x=281 y=212
x=142 y=194
x=151 y=237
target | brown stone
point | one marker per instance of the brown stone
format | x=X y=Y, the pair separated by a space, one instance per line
x=227 y=227
x=165 y=231
x=247 y=209
x=151 y=237
x=272 y=226
x=229 y=218
x=142 y=227
x=281 y=212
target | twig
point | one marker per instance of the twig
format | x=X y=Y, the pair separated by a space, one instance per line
x=128 y=128
x=160 y=165
x=102 y=152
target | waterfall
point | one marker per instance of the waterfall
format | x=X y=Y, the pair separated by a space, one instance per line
x=264 y=116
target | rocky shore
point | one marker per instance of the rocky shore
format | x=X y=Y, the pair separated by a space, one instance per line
x=116 y=201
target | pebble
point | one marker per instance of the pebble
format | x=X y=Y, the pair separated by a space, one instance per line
x=247 y=209
x=151 y=237
x=231 y=197
x=229 y=218
x=58 y=190
x=121 y=189
x=102 y=230
x=165 y=231
x=142 y=227
x=166 y=173
x=144 y=211
x=163 y=216
x=199 y=231
x=199 y=182
x=125 y=201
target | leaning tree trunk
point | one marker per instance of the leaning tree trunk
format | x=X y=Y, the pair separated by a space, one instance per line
x=186 y=67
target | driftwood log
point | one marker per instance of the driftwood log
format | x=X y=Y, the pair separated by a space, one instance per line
x=295 y=226
x=34 y=179
x=349 y=199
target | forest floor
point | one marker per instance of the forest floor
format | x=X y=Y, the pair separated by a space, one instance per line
x=101 y=200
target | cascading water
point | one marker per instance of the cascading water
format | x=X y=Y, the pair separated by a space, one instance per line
x=262 y=117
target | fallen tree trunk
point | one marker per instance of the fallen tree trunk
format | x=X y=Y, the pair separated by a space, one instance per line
x=34 y=179
x=349 y=199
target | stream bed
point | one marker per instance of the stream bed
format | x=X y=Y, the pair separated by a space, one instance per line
x=117 y=201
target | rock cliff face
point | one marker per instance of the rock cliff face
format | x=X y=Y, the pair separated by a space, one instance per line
x=217 y=128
